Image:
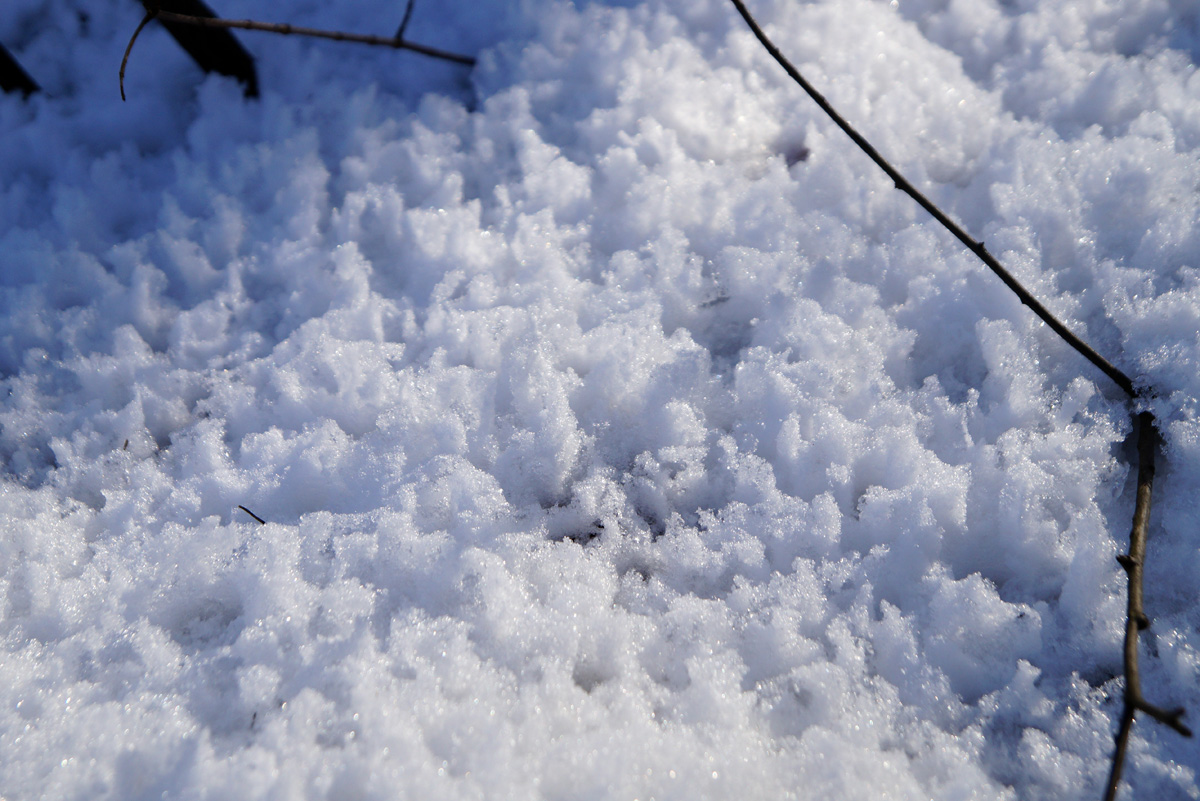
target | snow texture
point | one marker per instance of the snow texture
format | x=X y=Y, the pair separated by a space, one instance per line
x=620 y=431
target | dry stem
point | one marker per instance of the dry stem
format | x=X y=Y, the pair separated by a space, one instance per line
x=153 y=10
x=338 y=36
x=905 y=186
x=408 y=9
x=129 y=47
x=261 y=522
x=1147 y=438
x=1136 y=619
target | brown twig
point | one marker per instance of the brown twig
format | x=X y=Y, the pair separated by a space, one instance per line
x=129 y=47
x=1136 y=619
x=902 y=183
x=338 y=36
x=261 y=522
x=1147 y=437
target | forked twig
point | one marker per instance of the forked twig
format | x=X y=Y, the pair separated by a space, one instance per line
x=1136 y=619
x=337 y=36
x=397 y=42
x=1144 y=421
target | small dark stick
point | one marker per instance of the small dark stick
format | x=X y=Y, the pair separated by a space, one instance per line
x=261 y=522
x=125 y=59
x=408 y=9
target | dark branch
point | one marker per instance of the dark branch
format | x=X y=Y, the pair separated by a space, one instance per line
x=129 y=47
x=408 y=9
x=1136 y=619
x=338 y=36
x=261 y=522
x=1133 y=563
x=902 y=183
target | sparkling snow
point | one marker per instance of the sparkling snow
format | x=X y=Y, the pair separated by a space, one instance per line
x=620 y=431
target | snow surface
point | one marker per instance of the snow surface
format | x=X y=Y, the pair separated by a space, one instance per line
x=620 y=431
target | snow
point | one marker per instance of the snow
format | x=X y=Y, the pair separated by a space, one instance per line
x=620 y=431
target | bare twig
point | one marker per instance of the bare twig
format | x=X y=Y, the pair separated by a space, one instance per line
x=261 y=522
x=129 y=47
x=408 y=9
x=1136 y=619
x=902 y=183
x=338 y=36
x=1147 y=437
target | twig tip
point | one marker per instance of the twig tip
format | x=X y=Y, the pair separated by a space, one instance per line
x=261 y=522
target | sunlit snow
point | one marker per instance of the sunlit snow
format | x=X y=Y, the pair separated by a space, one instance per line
x=619 y=430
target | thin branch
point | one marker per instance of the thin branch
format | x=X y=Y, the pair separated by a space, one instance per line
x=129 y=47
x=408 y=9
x=902 y=183
x=261 y=522
x=1136 y=619
x=338 y=36
x=1133 y=563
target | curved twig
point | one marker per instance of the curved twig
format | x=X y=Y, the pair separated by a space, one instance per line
x=338 y=36
x=1147 y=437
x=151 y=14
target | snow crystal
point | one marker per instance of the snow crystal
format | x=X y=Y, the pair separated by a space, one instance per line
x=595 y=422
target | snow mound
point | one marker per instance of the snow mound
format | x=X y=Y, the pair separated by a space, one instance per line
x=619 y=431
